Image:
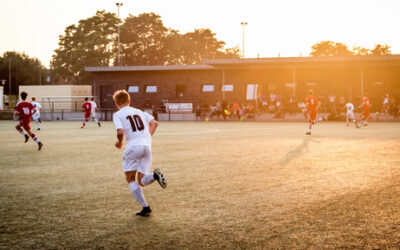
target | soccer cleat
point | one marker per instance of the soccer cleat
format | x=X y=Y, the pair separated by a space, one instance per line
x=146 y=211
x=82 y=126
x=38 y=129
x=99 y=124
x=160 y=178
x=26 y=138
x=308 y=133
x=40 y=145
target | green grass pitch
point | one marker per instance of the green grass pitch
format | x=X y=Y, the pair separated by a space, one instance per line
x=230 y=185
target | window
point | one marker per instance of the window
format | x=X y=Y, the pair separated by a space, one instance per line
x=133 y=89
x=151 y=89
x=207 y=88
x=227 y=88
x=251 y=91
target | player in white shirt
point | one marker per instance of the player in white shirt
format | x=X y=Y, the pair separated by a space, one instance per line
x=138 y=127
x=36 y=115
x=350 y=114
x=93 y=112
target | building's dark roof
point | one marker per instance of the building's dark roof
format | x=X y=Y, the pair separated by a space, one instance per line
x=149 y=68
x=275 y=62
x=303 y=59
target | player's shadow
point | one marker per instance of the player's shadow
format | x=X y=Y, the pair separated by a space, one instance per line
x=298 y=151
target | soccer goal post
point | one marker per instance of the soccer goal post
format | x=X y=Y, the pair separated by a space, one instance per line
x=62 y=107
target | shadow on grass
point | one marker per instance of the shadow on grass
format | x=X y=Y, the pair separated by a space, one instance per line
x=298 y=151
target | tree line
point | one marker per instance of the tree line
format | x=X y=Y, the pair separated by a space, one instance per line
x=144 y=40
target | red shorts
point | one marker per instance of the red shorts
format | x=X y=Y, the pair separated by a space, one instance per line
x=87 y=115
x=365 y=114
x=313 y=116
x=25 y=123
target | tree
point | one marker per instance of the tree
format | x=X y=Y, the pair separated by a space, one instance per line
x=329 y=48
x=381 y=50
x=90 y=43
x=24 y=70
x=146 y=41
x=143 y=40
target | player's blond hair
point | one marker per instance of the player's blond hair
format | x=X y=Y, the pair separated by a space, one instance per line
x=121 y=97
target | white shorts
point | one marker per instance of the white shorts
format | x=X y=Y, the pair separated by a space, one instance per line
x=35 y=116
x=137 y=158
x=350 y=115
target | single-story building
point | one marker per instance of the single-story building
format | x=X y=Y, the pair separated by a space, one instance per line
x=248 y=79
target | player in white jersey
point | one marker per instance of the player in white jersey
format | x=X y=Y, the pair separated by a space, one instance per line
x=350 y=114
x=93 y=112
x=36 y=115
x=138 y=127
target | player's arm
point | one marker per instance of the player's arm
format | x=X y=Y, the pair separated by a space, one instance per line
x=318 y=104
x=34 y=110
x=153 y=126
x=120 y=138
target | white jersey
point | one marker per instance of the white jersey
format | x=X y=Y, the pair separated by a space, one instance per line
x=37 y=107
x=94 y=106
x=350 y=107
x=135 y=124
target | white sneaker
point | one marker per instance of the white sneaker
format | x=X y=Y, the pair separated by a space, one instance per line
x=160 y=178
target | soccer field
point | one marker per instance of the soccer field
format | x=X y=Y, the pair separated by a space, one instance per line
x=230 y=185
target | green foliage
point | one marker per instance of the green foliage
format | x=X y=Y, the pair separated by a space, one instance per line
x=329 y=48
x=146 y=41
x=24 y=70
x=90 y=43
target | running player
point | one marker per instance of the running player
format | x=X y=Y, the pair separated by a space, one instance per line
x=36 y=115
x=366 y=105
x=24 y=110
x=87 y=109
x=138 y=127
x=350 y=114
x=312 y=106
x=93 y=112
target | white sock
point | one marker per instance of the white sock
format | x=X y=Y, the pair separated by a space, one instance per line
x=22 y=132
x=137 y=193
x=38 y=124
x=147 y=179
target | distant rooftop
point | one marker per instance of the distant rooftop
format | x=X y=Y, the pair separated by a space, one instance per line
x=209 y=64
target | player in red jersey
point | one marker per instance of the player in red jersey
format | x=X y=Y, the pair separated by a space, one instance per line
x=366 y=105
x=25 y=110
x=312 y=105
x=87 y=108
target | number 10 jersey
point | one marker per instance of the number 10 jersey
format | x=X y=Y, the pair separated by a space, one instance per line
x=135 y=124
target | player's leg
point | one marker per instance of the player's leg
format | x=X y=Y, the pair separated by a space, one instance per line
x=312 y=116
x=36 y=118
x=93 y=116
x=21 y=131
x=130 y=165
x=33 y=136
x=144 y=177
x=84 y=121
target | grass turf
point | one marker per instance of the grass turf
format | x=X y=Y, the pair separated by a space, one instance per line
x=230 y=185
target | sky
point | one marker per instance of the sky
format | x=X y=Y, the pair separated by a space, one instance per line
x=286 y=28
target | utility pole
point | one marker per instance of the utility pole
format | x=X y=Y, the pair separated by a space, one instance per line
x=119 y=57
x=243 y=24
x=9 y=76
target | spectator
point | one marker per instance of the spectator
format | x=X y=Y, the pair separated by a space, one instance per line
x=219 y=109
x=332 y=103
x=393 y=107
x=236 y=110
x=386 y=104
x=224 y=107
x=198 y=112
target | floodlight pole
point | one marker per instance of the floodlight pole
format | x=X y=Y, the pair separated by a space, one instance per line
x=9 y=76
x=243 y=24
x=119 y=56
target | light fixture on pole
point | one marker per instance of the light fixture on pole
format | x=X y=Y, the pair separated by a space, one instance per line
x=119 y=57
x=243 y=24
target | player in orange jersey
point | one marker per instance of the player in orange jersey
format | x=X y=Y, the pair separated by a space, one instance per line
x=312 y=105
x=366 y=105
